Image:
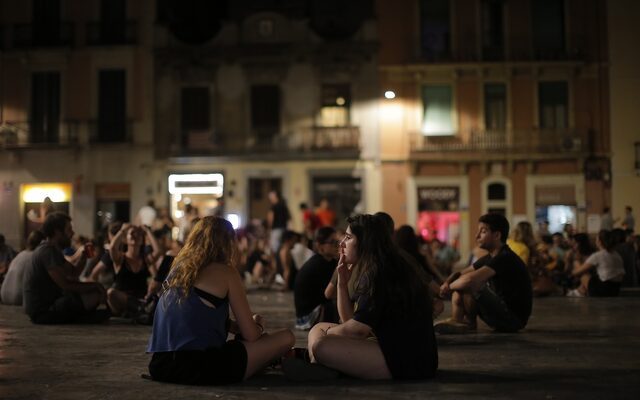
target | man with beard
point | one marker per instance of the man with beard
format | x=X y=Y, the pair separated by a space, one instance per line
x=497 y=287
x=52 y=293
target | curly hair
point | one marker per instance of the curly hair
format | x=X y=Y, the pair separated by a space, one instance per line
x=212 y=240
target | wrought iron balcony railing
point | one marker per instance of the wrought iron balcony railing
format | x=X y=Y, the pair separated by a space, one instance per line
x=330 y=142
x=112 y=33
x=507 y=141
x=24 y=134
x=110 y=131
x=52 y=35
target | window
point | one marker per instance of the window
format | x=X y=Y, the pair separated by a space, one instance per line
x=46 y=22
x=265 y=111
x=336 y=104
x=194 y=114
x=548 y=28
x=495 y=106
x=195 y=108
x=113 y=20
x=438 y=110
x=553 y=105
x=492 y=30
x=435 y=35
x=44 y=118
x=112 y=106
x=495 y=194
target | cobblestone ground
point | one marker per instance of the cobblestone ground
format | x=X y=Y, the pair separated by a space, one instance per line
x=572 y=348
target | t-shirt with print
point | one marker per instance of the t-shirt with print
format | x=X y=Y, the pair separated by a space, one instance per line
x=408 y=344
x=40 y=291
x=511 y=281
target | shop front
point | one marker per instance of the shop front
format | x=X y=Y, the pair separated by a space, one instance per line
x=38 y=199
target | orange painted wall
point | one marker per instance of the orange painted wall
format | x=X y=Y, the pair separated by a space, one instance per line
x=397 y=31
x=394 y=191
x=468 y=104
x=522 y=105
x=465 y=29
x=15 y=80
x=519 y=189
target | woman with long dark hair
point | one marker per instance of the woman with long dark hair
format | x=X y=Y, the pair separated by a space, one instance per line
x=191 y=323
x=389 y=333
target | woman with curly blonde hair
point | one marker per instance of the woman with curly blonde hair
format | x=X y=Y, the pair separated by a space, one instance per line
x=191 y=323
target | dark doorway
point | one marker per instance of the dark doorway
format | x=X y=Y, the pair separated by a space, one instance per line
x=259 y=189
x=344 y=194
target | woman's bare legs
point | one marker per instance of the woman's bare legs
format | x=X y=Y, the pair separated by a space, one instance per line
x=266 y=349
x=361 y=358
x=318 y=331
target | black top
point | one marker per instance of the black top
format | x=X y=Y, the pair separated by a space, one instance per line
x=106 y=260
x=132 y=283
x=163 y=269
x=511 y=281
x=211 y=298
x=310 y=283
x=408 y=344
x=280 y=215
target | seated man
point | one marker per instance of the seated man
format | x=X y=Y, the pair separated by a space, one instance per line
x=497 y=287
x=52 y=292
x=313 y=277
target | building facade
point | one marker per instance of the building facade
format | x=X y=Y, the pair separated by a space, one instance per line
x=268 y=96
x=75 y=111
x=624 y=88
x=500 y=106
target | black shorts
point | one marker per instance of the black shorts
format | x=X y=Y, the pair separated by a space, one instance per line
x=494 y=311
x=66 y=309
x=598 y=288
x=213 y=366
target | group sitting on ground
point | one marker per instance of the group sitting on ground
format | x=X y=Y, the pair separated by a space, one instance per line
x=368 y=298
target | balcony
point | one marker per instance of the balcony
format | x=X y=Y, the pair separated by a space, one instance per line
x=308 y=143
x=112 y=34
x=110 y=131
x=53 y=35
x=20 y=135
x=509 y=144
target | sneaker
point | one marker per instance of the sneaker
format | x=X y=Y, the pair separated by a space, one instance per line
x=308 y=321
x=575 y=293
x=296 y=369
x=452 y=327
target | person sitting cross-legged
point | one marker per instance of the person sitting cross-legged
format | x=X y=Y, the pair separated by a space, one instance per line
x=191 y=324
x=497 y=287
x=388 y=334
x=52 y=293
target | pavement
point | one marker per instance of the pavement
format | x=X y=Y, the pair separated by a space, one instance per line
x=573 y=348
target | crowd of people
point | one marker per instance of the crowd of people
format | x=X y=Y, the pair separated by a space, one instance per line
x=367 y=295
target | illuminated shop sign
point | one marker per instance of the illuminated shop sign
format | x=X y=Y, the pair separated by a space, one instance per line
x=37 y=192
x=196 y=184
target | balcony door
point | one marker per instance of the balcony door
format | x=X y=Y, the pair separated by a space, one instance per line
x=46 y=22
x=112 y=106
x=44 y=118
x=113 y=17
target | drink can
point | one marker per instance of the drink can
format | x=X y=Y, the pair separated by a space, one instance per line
x=89 y=250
